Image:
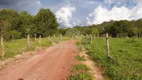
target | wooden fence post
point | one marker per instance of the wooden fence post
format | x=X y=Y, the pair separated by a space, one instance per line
x=54 y=36
x=87 y=36
x=107 y=45
x=49 y=37
x=12 y=37
x=28 y=41
x=39 y=40
x=35 y=37
x=3 y=50
x=91 y=38
x=60 y=36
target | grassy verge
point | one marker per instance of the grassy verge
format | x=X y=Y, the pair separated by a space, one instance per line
x=126 y=61
x=80 y=58
x=79 y=72
x=19 y=46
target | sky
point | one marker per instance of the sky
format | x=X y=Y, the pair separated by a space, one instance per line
x=71 y=13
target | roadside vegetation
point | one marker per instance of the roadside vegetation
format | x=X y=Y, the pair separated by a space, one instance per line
x=80 y=72
x=80 y=58
x=20 y=46
x=12 y=48
x=125 y=62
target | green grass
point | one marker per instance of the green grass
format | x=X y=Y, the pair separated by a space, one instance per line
x=19 y=46
x=15 y=47
x=81 y=76
x=80 y=67
x=79 y=72
x=80 y=58
x=126 y=57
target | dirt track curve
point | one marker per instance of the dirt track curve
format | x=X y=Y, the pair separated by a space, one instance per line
x=53 y=63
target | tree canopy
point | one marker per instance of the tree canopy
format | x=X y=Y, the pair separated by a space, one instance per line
x=13 y=23
x=122 y=28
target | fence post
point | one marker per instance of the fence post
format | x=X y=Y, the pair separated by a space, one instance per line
x=60 y=36
x=12 y=37
x=91 y=38
x=54 y=36
x=28 y=41
x=39 y=40
x=107 y=45
x=3 y=50
x=35 y=37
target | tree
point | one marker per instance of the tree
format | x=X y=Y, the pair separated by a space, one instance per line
x=7 y=17
x=46 y=22
x=27 y=23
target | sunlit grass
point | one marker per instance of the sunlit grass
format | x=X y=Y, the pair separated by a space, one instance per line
x=126 y=62
x=15 y=47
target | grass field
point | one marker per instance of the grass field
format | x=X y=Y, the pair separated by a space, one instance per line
x=126 y=57
x=15 y=47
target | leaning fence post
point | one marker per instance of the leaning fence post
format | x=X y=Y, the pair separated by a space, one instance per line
x=28 y=41
x=107 y=45
x=3 y=50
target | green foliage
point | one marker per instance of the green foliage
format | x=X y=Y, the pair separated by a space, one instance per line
x=81 y=76
x=126 y=57
x=80 y=58
x=80 y=73
x=46 y=22
x=19 y=25
x=122 y=28
x=80 y=67
x=19 y=46
x=72 y=32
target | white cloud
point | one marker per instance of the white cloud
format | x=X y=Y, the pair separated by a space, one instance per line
x=101 y=14
x=109 y=1
x=38 y=2
x=77 y=23
x=64 y=15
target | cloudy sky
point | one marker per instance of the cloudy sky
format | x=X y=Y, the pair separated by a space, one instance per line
x=81 y=12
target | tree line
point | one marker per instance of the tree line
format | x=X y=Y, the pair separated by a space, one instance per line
x=19 y=24
x=122 y=28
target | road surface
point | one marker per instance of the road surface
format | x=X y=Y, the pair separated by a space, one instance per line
x=53 y=63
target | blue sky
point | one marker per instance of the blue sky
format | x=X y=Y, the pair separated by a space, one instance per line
x=81 y=12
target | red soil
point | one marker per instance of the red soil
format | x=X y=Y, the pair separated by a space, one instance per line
x=53 y=63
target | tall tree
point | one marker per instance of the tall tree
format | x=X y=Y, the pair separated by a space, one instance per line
x=46 y=22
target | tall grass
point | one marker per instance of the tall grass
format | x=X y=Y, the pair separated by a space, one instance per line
x=126 y=61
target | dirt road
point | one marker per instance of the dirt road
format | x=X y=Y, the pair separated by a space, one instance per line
x=53 y=63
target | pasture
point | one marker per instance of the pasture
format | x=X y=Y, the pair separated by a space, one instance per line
x=125 y=62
